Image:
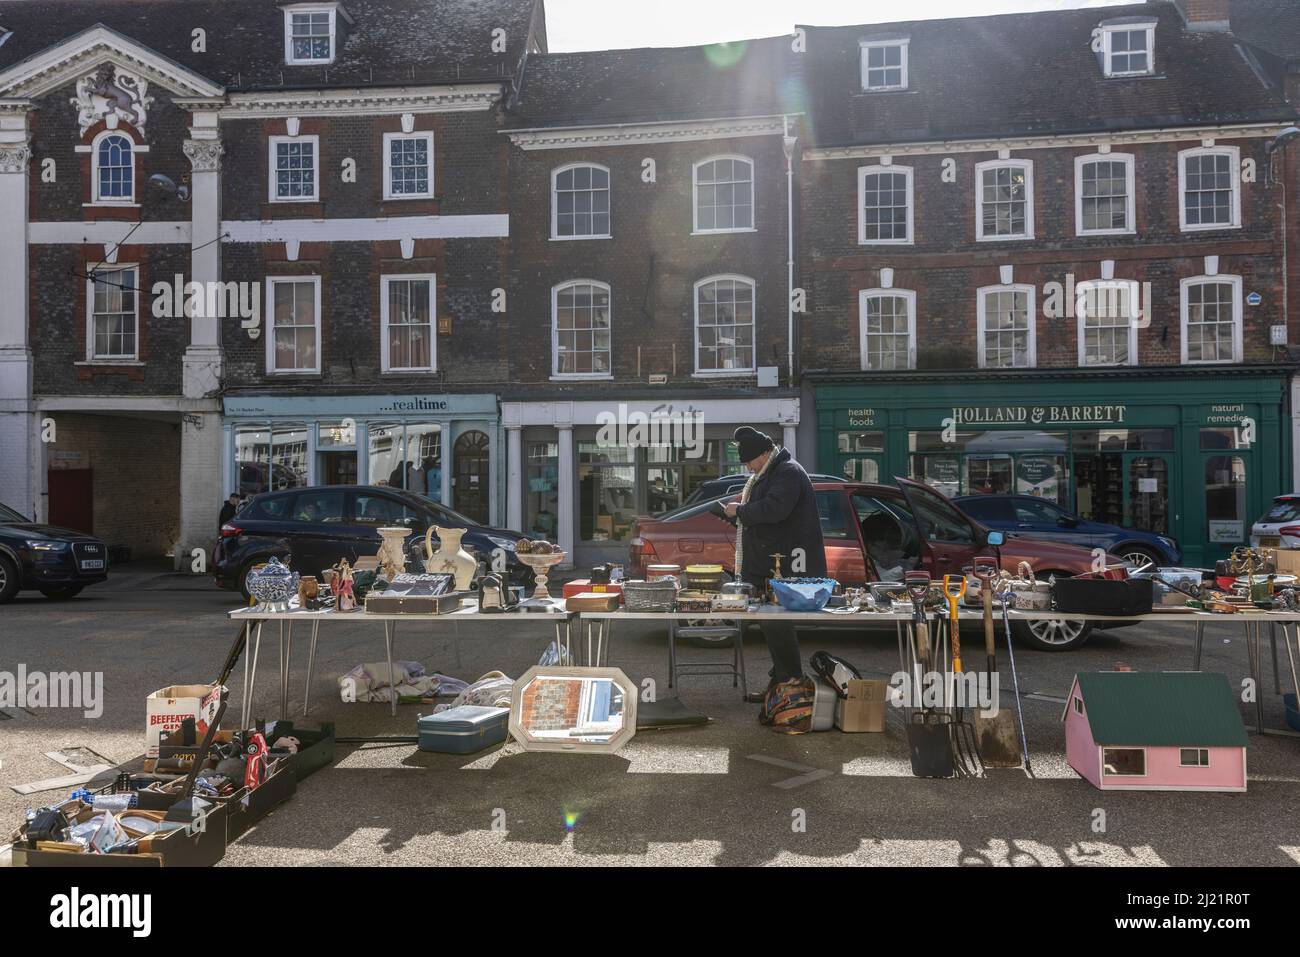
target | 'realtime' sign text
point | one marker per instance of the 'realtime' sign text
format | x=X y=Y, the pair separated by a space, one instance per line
x=1038 y=414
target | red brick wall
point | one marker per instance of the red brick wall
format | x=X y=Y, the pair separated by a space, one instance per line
x=551 y=705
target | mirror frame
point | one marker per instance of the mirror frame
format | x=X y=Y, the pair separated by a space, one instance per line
x=529 y=743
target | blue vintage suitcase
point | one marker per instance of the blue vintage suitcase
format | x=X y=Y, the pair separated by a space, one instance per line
x=464 y=730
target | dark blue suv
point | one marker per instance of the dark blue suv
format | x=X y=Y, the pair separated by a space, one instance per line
x=57 y=562
x=1030 y=517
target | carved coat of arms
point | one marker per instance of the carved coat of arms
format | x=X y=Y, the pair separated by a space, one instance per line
x=112 y=95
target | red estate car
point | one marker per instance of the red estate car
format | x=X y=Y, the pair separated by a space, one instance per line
x=934 y=534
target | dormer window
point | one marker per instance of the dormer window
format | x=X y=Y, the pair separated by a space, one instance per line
x=1128 y=47
x=884 y=64
x=310 y=32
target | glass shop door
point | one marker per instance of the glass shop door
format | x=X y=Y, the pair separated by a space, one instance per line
x=1146 y=481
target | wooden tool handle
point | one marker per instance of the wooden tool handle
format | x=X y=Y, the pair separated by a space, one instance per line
x=923 y=643
x=986 y=595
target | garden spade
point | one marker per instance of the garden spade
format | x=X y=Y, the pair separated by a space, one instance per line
x=929 y=732
x=997 y=734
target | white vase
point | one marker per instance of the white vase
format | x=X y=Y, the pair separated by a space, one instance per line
x=392 y=552
x=450 y=558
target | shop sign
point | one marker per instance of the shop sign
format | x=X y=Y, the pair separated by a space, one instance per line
x=945 y=470
x=1225 y=414
x=862 y=417
x=339 y=406
x=1039 y=414
x=1035 y=471
x=1227 y=532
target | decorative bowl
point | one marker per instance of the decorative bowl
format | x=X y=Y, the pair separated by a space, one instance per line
x=273 y=585
x=803 y=594
x=540 y=564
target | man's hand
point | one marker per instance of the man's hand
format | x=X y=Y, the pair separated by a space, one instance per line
x=730 y=509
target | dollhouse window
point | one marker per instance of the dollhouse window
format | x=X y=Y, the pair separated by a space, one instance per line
x=1193 y=758
x=1124 y=762
x=1078 y=705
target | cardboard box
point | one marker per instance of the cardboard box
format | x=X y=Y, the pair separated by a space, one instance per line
x=1288 y=561
x=166 y=708
x=864 y=709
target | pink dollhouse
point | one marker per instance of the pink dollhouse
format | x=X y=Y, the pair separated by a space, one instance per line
x=1161 y=731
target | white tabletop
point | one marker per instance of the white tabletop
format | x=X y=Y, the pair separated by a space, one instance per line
x=468 y=611
x=827 y=616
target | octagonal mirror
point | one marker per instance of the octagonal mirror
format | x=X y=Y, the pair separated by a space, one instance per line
x=573 y=709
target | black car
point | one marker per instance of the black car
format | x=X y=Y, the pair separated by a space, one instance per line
x=57 y=562
x=732 y=484
x=311 y=529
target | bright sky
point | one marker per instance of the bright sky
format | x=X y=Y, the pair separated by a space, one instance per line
x=622 y=24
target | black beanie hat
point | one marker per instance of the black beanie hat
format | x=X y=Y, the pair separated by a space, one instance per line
x=752 y=443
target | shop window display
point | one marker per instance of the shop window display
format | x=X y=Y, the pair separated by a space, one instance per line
x=542 y=500
x=607 y=492
x=270 y=460
x=1225 y=499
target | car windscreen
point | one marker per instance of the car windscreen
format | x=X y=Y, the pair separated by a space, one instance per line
x=442 y=512
x=690 y=511
x=1284 y=510
x=7 y=515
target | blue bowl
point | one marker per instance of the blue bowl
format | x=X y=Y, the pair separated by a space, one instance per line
x=803 y=594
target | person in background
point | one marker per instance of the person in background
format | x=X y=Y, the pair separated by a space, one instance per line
x=777 y=513
x=228 y=510
x=432 y=478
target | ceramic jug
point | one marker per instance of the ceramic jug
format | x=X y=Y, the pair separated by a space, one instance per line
x=450 y=558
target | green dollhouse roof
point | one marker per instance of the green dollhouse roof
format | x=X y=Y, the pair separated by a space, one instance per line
x=1162 y=709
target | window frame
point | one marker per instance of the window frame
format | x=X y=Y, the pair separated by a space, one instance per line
x=386 y=280
x=271 y=282
x=909 y=295
x=1130 y=185
x=695 y=300
x=1120 y=774
x=289 y=12
x=1028 y=166
x=1080 y=316
x=1234 y=163
x=427 y=136
x=555 y=206
x=981 y=317
x=1182 y=762
x=272 y=151
x=695 y=195
x=555 y=331
x=1078 y=705
x=1109 y=31
x=904 y=44
x=879 y=168
x=91 y=357
x=97 y=199
x=1238 y=318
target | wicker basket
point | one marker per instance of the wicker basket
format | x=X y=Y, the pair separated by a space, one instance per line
x=658 y=595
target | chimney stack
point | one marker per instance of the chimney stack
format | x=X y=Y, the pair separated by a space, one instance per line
x=1205 y=15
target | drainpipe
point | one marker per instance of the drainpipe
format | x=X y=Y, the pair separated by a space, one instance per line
x=788 y=144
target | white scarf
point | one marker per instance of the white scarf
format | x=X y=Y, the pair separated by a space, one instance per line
x=744 y=497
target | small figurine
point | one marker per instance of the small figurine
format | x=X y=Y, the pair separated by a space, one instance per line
x=343 y=587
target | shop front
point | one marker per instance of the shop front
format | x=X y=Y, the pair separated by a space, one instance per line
x=442 y=446
x=1196 y=459
x=580 y=473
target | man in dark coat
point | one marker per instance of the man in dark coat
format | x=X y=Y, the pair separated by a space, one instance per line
x=777 y=514
x=228 y=510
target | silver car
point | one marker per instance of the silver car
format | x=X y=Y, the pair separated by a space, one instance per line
x=1280 y=528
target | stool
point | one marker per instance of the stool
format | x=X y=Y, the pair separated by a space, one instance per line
x=727 y=629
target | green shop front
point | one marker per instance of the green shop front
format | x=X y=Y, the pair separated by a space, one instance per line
x=1195 y=457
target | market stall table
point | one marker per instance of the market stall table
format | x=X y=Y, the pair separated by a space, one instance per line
x=467 y=613
x=598 y=631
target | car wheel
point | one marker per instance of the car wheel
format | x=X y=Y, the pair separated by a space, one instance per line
x=1055 y=634
x=1139 y=556
x=8 y=579
x=62 y=592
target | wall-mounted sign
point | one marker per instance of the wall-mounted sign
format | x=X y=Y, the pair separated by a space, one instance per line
x=1227 y=532
x=1039 y=414
x=1254 y=299
x=1148 y=486
x=1228 y=414
x=862 y=416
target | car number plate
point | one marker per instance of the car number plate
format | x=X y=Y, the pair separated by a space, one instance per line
x=92 y=564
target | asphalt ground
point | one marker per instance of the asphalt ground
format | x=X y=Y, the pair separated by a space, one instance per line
x=730 y=792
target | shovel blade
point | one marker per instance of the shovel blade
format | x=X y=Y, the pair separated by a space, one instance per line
x=999 y=746
x=930 y=744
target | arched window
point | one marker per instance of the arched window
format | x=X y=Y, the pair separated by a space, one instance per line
x=724 y=325
x=114 y=169
x=580 y=202
x=724 y=195
x=580 y=323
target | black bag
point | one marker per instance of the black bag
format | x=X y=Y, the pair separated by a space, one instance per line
x=1102 y=596
x=835 y=671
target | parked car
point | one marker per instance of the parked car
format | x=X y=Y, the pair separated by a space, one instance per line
x=1027 y=516
x=933 y=535
x=734 y=485
x=1280 y=526
x=57 y=562
x=312 y=528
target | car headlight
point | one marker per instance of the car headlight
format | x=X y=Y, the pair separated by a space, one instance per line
x=506 y=543
x=44 y=545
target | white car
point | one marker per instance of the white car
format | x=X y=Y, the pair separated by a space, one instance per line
x=1280 y=528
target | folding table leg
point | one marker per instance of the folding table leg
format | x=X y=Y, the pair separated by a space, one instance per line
x=1200 y=644
x=390 y=628
x=311 y=664
x=672 y=652
x=248 y=657
x=286 y=662
x=740 y=658
x=252 y=680
x=1272 y=640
